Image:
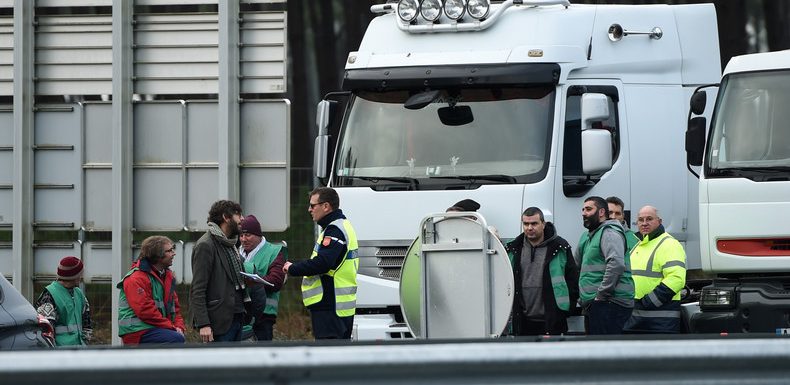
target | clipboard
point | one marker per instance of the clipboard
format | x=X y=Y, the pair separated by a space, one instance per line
x=256 y=278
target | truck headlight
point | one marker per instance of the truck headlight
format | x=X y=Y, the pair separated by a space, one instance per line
x=454 y=9
x=407 y=10
x=717 y=298
x=431 y=10
x=478 y=8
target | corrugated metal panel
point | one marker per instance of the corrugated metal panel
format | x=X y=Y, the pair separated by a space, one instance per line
x=74 y=55
x=263 y=52
x=176 y=53
x=57 y=178
x=97 y=167
x=6 y=54
x=6 y=166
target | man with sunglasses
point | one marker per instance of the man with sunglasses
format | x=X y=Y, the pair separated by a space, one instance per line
x=329 y=286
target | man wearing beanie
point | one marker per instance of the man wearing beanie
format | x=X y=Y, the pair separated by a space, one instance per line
x=65 y=306
x=218 y=289
x=266 y=260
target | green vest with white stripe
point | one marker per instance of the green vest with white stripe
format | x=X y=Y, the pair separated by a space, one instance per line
x=556 y=266
x=128 y=322
x=344 y=276
x=593 y=266
x=259 y=264
x=68 y=327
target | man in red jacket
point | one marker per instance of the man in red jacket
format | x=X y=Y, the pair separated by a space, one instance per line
x=149 y=311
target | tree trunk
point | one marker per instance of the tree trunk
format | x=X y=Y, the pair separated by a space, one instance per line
x=731 y=15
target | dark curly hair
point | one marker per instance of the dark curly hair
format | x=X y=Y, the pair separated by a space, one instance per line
x=222 y=208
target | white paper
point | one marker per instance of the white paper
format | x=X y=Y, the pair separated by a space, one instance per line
x=257 y=278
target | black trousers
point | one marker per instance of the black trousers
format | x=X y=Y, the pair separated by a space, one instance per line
x=327 y=325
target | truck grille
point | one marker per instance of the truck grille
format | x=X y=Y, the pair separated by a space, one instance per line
x=389 y=261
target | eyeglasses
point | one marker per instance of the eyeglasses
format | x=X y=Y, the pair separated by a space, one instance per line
x=312 y=205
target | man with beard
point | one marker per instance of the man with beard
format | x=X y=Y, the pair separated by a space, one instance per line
x=605 y=284
x=218 y=290
x=546 y=277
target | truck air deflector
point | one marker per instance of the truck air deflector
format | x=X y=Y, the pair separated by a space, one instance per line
x=401 y=78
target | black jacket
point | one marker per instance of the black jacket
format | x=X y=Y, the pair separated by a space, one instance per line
x=555 y=318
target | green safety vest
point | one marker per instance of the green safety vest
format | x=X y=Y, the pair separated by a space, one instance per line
x=658 y=260
x=630 y=240
x=344 y=276
x=259 y=264
x=128 y=322
x=593 y=266
x=557 y=265
x=68 y=327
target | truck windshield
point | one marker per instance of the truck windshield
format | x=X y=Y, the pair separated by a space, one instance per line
x=751 y=126
x=503 y=137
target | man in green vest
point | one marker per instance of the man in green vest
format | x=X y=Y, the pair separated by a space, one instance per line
x=546 y=277
x=149 y=311
x=659 y=268
x=65 y=306
x=616 y=207
x=329 y=286
x=265 y=259
x=606 y=289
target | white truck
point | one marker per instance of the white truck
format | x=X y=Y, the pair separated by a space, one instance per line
x=516 y=104
x=744 y=197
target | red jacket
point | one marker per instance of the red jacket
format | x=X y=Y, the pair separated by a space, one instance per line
x=139 y=294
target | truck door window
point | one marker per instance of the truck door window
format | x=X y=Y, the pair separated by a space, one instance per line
x=575 y=182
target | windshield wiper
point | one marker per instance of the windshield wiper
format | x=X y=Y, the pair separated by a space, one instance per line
x=474 y=178
x=413 y=182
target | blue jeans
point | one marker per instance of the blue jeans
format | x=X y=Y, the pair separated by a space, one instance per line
x=234 y=333
x=604 y=317
x=162 y=336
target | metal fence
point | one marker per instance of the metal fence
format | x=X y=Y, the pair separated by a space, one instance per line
x=695 y=361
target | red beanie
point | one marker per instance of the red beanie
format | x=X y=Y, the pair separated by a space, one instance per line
x=69 y=268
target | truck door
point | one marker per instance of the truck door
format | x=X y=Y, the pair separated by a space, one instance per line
x=572 y=185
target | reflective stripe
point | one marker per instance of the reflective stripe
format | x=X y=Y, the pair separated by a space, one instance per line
x=272 y=302
x=674 y=263
x=346 y=305
x=589 y=289
x=649 y=265
x=656 y=313
x=654 y=299
x=337 y=240
x=129 y=321
x=647 y=273
x=345 y=290
x=307 y=281
x=557 y=280
x=564 y=299
x=312 y=292
x=591 y=267
x=123 y=303
x=159 y=304
x=67 y=329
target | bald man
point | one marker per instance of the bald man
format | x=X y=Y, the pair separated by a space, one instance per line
x=658 y=265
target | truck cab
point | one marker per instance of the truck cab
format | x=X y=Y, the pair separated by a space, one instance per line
x=744 y=197
x=522 y=103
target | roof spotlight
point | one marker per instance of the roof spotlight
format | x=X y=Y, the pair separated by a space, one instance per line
x=454 y=9
x=431 y=10
x=407 y=10
x=478 y=8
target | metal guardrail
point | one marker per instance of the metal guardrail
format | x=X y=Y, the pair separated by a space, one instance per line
x=696 y=361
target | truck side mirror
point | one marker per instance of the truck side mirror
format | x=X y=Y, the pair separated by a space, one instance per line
x=695 y=140
x=698 y=101
x=323 y=118
x=596 y=142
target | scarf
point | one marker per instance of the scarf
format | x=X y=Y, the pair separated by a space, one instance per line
x=228 y=245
